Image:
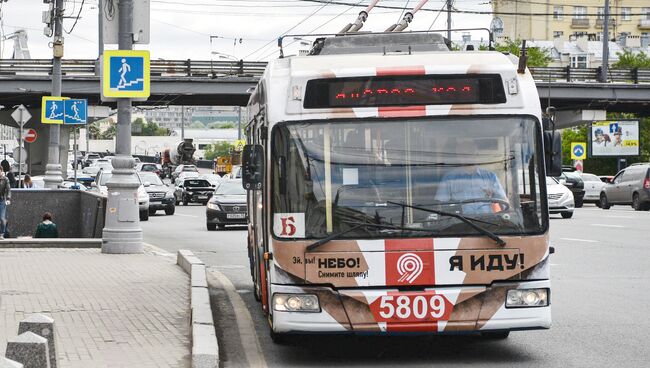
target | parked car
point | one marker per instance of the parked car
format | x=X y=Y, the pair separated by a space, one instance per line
x=183 y=168
x=99 y=165
x=150 y=167
x=227 y=206
x=99 y=186
x=89 y=158
x=193 y=190
x=593 y=187
x=574 y=182
x=160 y=196
x=560 y=198
x=630 y=186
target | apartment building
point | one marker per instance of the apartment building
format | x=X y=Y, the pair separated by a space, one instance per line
x=550 y=19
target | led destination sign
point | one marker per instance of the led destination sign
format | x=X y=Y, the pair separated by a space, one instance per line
x=404 y=91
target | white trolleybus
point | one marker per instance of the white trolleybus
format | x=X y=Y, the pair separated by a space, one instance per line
x=397 y=186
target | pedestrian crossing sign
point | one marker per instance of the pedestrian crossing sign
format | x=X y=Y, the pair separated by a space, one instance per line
x=126 y=74
x=52 y=110
x=75 y=112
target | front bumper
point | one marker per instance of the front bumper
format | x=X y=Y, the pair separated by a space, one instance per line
x=357 y=311
x=564 y=204
x=197 y=197
x=143 y=205
x=161 y=204
x=221 y=217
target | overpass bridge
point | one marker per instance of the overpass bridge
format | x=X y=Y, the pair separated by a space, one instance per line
x=201 y=82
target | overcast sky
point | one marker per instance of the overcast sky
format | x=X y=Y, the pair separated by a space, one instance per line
x=181 y=29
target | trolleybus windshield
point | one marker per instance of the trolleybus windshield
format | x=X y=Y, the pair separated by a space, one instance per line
x=337 y=174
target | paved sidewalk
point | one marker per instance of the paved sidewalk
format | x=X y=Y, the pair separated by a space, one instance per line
x=109 y=310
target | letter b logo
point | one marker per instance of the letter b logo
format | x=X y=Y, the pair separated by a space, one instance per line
x=288 y=226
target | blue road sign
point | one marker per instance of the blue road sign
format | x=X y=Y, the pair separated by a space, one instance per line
x=126 y=74
x=613 y=128
x=52 y=110
x=578 y=151
x=75 y=112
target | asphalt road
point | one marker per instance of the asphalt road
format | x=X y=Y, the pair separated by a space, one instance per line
x=600 y=299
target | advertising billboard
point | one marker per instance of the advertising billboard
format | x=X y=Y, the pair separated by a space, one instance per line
x=614 y=138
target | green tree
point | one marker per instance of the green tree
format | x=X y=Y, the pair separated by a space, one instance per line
x=227 y=126
x=109 y=133
x=628 y=59
x=93 y=130
x=536 y=56
x=197 y=125
x=214 y=150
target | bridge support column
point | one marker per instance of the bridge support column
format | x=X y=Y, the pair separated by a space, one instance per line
x=122 y=233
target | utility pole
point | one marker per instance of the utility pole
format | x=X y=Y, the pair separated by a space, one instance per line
x=238 y=123
x=183 y=123
x=449 y=3
x=604 y=70
x=122 y=233
x=53 y=174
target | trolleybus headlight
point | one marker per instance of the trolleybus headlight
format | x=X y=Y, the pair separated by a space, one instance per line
x=296 y=303
x=527 y=298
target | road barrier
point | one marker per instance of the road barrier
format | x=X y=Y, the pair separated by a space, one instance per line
x=77 y=214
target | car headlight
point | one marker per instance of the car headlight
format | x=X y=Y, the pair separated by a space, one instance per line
x=522 y=298
x=296 y=303
x=213 y=206
x=142 y=195
x=169 y=194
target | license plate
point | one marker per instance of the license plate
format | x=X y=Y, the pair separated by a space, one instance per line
x=236 y=215
x=202 y=197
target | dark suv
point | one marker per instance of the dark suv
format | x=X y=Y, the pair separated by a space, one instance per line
x=576 y=185
x=193 y=190
x=630 y=186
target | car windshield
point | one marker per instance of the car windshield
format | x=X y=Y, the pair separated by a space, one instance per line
x=336 y=173
x=190 y=168
x=573 y=175
x=589 y=177
x=230 y=188
x=196 y=183
x=90 y=157
x=151 y=178
x=150 y=167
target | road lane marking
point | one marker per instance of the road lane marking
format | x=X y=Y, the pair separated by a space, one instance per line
x=608 y=225
x=180 y=214
x=580 y=240
x=249 y=340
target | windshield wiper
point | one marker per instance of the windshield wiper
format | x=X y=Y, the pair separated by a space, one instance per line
x=467 y=220
x=358 y=225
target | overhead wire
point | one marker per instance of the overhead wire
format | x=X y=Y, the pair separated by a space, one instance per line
x=289 y=30
x=81 y=8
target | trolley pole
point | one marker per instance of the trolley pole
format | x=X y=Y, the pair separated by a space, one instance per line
x=122 y=233
x=53 y=174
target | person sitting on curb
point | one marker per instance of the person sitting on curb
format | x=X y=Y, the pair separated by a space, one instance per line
x=46 y=229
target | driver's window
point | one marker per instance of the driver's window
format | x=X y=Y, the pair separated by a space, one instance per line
x=618 y=177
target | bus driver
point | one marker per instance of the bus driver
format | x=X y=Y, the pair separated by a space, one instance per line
x=469 y=182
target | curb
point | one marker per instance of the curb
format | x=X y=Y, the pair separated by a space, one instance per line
x=50 y=243
x=205 y=348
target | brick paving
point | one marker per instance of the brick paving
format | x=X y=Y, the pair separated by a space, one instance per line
x=109 y=310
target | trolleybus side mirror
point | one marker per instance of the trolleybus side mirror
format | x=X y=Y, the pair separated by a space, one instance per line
x=252 y=167
x=553 y=152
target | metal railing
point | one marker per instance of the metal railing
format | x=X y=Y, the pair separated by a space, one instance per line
x=161 y=69
x=568 y=74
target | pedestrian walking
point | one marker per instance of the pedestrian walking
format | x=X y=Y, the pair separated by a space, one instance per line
x=5 y=200
x=6 y=167
x=47 y=228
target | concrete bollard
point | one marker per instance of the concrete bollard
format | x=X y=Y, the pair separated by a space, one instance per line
x=43 y=326
x=29 y=349
x=6 y=363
